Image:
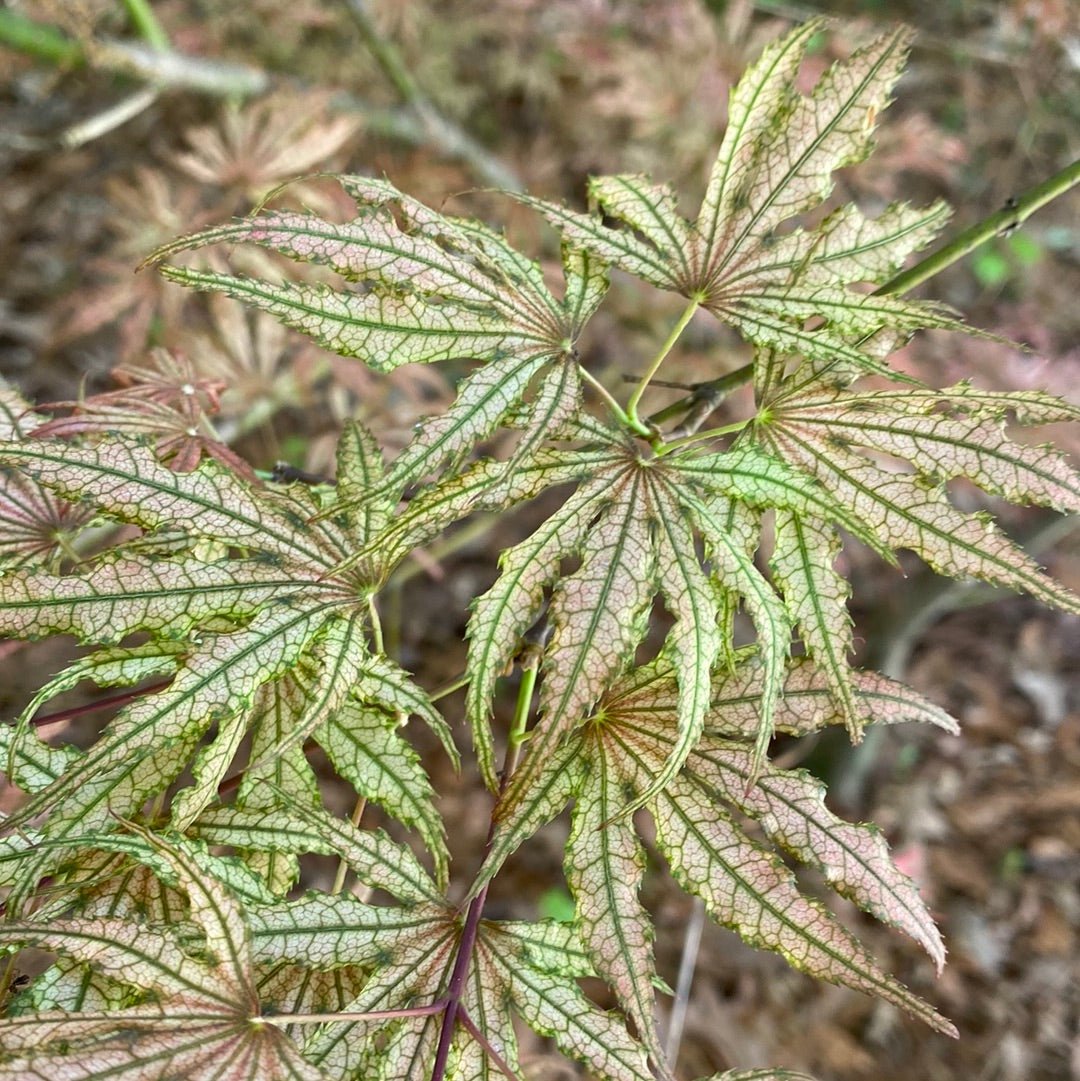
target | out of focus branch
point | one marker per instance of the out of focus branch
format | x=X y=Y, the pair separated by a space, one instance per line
x=415 y=122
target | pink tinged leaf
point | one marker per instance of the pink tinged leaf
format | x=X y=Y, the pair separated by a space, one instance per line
x=939 y=444
x=413 y=974
x=376 y=859
x=552 y=946
x=549 y=794
x=651 y=211
x=34 y=522
x=808 y=703
x=763 y=93
x=586 y=286
x=383 y=683
x=557 y=402
x=122 y=950
x=604 y=866
x=910 y=512
x=695 y=640
x=384 y=332
x=502 y=614
x=816 y=596
x=806 y=138
x=790 y=805
x=363 y=744
x=852 y=248
x=599 y=615
x=275 y=709
x=296 y=989
x=558 y=1009
x=371 y=249
x=334 y=665
x=748 y=889
x=750 y=474
x=326 y=932
x=735 y=571
x=483 y=401
x=618 y=247
x=118 y=596
x=147 y=744
x=360 y=473
x=126 y=481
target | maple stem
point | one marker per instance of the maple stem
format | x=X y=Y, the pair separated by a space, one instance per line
x=342 y=867
x=609 y=398
x=676 y=333
x=471 y=928
x=1010 y=217
x=468 y=1023
x=709 y=433
x=98 y=703
x=146 y=22
x=376 y=625
x=449 y=688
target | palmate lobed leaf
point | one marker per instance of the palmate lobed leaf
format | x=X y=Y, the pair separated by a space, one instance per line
x=431 y=287
x=633 y=524
x=776 y=162
x=243 y=592
x=201 y=1023
x=606 y=763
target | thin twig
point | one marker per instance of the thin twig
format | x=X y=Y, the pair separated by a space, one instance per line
x=687 y=966
x=169 y=69
x=440 y=131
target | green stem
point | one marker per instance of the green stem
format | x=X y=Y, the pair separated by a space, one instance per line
x=610 y=400
x=376 y=625
x=343 y=868
x=1010 y=217
x=146 y=23
x=449 y=688
x=518 y=733
x=676 y=333
x=697 y=437
x=39 y=40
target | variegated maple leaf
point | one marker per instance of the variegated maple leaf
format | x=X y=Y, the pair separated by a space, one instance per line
x=393 y=1026
x=846 y=439
x=635 y=524
x=611 y=761
x=427 y=287
x=260 y=634
x=738 y=259
x=162 y=1006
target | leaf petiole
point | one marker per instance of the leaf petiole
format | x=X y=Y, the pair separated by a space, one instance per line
x=683 y=322
x=698 y=437
x=610 y=401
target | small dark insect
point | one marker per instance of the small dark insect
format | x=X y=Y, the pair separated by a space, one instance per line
x=283 y=473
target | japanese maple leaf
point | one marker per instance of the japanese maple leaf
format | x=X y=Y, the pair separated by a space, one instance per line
x=427 y=287
x=611 y=759
x=192 y=1012
x=737 y=258
x=273 y=637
